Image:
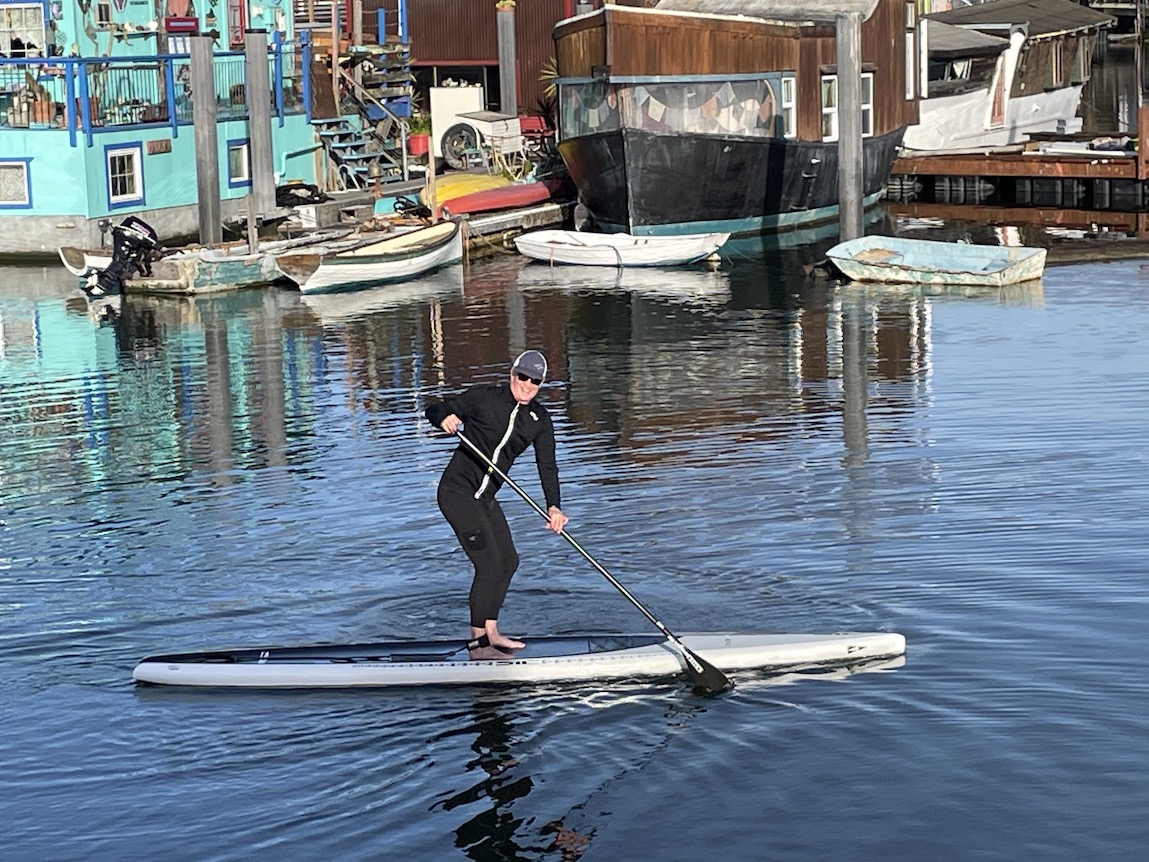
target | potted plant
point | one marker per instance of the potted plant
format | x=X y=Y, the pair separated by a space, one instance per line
x=418 y=133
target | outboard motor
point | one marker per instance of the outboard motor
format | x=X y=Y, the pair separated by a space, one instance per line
x=133 y=242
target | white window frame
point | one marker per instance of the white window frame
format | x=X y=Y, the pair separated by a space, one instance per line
x=911 y=26
x=134 y=152
x=788 y=95
x=243 y=145
x=104 y=14
x=830 y=112
x=22 y=164
x=39 y=36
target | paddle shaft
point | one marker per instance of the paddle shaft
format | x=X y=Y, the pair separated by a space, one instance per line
x=704 y=674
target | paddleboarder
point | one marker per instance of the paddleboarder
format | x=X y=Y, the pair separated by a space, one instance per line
x=502 y=421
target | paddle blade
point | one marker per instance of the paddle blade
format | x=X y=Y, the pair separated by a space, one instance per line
x=702 y=673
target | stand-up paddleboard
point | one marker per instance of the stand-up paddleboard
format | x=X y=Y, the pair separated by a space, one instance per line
x=545 y=659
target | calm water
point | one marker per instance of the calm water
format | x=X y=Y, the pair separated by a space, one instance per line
x=746 y=449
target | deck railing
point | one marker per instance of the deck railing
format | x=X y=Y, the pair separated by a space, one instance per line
x=89 y=95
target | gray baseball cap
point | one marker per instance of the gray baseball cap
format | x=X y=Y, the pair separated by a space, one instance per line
x=531 y=363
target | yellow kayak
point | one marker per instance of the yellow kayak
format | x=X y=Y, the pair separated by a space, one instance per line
x=458 y=183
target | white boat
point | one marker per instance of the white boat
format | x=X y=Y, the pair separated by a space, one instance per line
x=1003 y=70
x=397 y=257
x=922 y=261
x=617 y=249
x=546 y=659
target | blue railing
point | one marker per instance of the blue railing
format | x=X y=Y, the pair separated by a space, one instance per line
x=90 y=95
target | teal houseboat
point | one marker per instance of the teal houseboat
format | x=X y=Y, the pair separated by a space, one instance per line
x=96 y=115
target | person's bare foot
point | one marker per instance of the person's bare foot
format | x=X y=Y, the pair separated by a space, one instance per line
x=504 y=642
x=488 y=654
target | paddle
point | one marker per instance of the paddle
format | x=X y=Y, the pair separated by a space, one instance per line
x=704 y=675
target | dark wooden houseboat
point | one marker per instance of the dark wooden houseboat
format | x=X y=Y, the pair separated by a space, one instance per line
x=687 y=122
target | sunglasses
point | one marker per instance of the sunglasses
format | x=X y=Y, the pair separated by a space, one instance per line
x=526 y=379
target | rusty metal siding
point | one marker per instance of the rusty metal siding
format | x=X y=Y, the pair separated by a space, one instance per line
x=465 y=32
x=534 y=22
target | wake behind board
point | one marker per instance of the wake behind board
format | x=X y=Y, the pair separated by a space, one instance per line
x=544 y=659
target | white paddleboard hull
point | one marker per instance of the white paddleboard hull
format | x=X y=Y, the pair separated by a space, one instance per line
x=543 y=660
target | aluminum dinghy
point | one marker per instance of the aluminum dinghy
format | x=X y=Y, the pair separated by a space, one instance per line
x=544 y=659
x=887 y=259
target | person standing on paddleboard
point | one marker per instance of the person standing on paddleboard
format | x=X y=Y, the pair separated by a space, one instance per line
x=502 y=421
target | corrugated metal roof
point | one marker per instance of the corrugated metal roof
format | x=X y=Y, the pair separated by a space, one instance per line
x=948 y=40
x=1044 y=17
x=817 y=11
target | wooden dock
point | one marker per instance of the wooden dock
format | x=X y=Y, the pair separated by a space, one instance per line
x=1054 y=173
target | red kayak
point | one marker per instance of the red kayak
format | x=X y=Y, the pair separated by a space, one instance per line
x=505 y=197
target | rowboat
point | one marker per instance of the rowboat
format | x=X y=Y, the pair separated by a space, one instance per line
x=397 y=257
x=617 y=249
x=544 y=659
x=922 y=261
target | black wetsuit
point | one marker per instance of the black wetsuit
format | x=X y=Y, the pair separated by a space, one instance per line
x=502 y=428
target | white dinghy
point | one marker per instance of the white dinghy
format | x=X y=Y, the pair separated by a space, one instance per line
x=617 y=249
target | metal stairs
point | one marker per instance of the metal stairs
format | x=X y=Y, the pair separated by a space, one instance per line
x=366 y=140
x=360 y=154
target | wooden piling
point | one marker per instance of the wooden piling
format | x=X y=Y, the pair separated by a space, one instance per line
x=206 y=139
x=509 y=99
x=850 y=155
x=258 y=92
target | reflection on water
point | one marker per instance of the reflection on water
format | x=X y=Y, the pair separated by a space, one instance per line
x=216 y=384
x=787 y=454
x=686 y=285
x=344 y=305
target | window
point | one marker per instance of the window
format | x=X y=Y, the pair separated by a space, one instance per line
x=237 y=22
x=22 y=30
x=125 y=175
x=911 y=55
x=103 y=13
x=239 y=163
x=1056 y=64
x=789 y=102
x=830 y=106
x=15 y=192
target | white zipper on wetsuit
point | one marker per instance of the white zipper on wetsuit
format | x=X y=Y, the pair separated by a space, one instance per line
x=495 y=454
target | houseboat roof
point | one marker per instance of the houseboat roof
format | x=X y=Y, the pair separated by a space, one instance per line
x=948 y=40
x=1045 y=18
x=814 y=11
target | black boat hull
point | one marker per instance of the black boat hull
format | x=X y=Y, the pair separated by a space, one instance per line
x=650 y=183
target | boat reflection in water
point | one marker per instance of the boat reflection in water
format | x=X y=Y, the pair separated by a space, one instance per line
x=694 y=285
x=340 y=306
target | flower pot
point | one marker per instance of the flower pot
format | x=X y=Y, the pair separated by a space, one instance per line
x=418 y=144
x=43 y=111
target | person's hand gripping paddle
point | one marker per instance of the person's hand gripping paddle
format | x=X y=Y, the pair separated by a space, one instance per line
x=702 y=673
